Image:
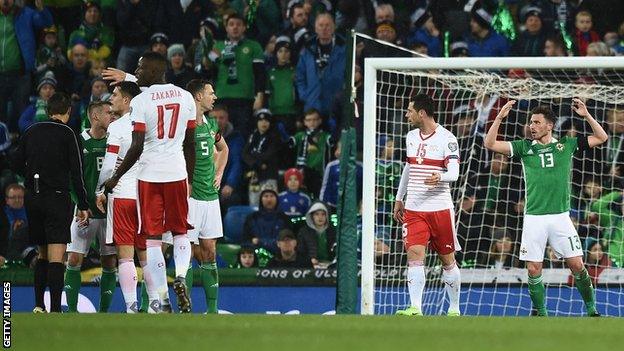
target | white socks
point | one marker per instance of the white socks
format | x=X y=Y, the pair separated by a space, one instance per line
x=416 y=282
x=156 y=277
x=128 y=281
x=452 y=283
x=181 y=254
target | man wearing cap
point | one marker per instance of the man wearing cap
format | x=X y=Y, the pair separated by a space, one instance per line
x=287 y=256
x=531 y=41
x=17 y=57
x=484 y=41
x=159 y=42
x=425 y=31
x=241 y=78
x=136 y=17
x=97 y=37
x=281 y=87
x=36 y=112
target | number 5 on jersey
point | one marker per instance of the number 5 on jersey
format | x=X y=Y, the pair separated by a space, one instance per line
x=175 y=111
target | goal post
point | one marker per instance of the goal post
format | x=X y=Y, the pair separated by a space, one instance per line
x=388 y=82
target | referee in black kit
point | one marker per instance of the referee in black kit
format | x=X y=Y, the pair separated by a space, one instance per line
x=49 y=156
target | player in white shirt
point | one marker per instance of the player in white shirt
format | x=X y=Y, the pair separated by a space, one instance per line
x=163 y=119
x=121 y=213
x=426 y=213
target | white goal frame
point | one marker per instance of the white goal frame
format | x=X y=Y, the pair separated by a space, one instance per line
x=371 y=66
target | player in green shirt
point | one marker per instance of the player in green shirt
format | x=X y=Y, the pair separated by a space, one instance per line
x=93 y=151
x=204 y=208
x=547 y=165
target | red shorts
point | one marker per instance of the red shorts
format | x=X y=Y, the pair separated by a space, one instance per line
x=163 y=207
x=126 y=223
x=437 y=228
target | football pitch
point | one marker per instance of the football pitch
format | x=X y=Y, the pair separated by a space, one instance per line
x=309 y=332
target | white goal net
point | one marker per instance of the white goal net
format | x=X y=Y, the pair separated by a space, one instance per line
x=489 y=194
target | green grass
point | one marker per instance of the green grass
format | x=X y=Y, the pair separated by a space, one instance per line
x=310 y=332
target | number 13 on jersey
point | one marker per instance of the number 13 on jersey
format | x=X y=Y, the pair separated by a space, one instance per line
x=175 y=112
x=547 y=160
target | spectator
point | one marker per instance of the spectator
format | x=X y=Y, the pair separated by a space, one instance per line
x=208 y=31
x=159 y=42
x=614 y=150
x=298 y=28
x=320 y=70
x=179 y=73
x=553 y=46
x=531 y=41
x=484 y=41
x=318 y=237
x=596 y=259
x=50 y=56
x=613 y=42
x=261 y=155
x=17 y=246
x=75 y=78
x=501 y=253
x=425 y=31
x=584 y=35
x=14 y=208
x=93 y=34
x=609 y=210
x=384 y=13
x=459 y=49
x=598 y=48
x=99 y=92
x=136 y=18
x=358 y=15
x=281 y=88
x=17 y=58
x=175 y=18
x=331 y=181
x=313 y=146
x=36 y=112
x=233 y=172
x=262 y=227
x=266 y=18
x=240 y=73
x=246 y=258
x=293 y=202
x=288 y=256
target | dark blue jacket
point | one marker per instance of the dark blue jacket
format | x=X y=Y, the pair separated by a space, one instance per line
x=317 y=88
x=265 y=225
x=331 y=182
x=27 y=23
x=234 y=169
x=493 y=45
x=434 y=48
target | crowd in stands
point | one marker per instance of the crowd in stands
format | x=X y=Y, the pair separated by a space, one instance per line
x=278 y=71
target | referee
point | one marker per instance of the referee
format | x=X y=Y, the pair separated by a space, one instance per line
x=49 y=156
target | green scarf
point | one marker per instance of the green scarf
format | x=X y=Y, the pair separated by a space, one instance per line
x=40 y=110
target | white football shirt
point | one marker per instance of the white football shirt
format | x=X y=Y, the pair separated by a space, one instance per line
x=163 y=112
x=427 y=154
x=119 y=141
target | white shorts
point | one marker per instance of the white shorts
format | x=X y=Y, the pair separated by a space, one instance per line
x=555 y=229
x=205 y=217
x=82 y=237
x=167 y=238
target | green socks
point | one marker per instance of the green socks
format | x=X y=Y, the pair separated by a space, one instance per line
x=107 y=288
x=189 y=279
x=537 y=291
x=72 y=287
x=210 y=282
x=144 y=297
x=585 y=288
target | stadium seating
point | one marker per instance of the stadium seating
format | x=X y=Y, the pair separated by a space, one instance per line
x=234 y=221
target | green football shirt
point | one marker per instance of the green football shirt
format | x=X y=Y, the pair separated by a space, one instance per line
x=547 y=171
x=93 y=151
x=206 y=135
x=246 y=52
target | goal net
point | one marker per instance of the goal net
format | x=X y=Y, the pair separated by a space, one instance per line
x=489 y=194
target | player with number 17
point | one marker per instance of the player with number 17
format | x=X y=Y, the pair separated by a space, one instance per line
x=547 y=164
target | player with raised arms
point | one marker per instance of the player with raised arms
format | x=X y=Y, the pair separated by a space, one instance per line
x=424 y=205
x=163 y=137
x=547 y=165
